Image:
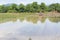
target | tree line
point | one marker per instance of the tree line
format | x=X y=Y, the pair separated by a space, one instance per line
x=32 y=7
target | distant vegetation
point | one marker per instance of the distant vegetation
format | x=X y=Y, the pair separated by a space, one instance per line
x=33 y=7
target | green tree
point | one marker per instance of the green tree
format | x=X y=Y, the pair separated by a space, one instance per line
x=21 y=8
x=58 y=7
x=35 y=7
x=43 y=7
x=12 y=8
x=28 y=8
x=55 y=7
x=3 y=9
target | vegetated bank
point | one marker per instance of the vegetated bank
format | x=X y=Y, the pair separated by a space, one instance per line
x=32 y=7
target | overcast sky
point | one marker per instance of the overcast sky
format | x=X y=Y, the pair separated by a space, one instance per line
x=28 y=1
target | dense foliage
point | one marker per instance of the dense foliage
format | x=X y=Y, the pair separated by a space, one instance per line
x=33 y=7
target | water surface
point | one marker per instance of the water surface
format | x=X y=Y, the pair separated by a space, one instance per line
x=23 y=30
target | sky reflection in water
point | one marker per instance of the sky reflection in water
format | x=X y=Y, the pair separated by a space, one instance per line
x=25 y=28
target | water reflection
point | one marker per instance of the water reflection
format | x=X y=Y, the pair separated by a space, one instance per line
x=22 y=30
x=31 y=17
x=55 y=19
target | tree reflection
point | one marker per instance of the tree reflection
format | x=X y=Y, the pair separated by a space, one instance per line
x=29 y=17
x=54 y=19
